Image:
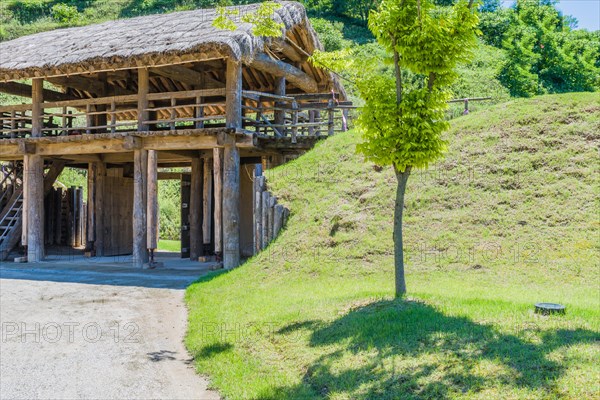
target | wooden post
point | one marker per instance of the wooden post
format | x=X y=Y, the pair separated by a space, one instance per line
x=207 y=201
x=258 y=189
x=196 y=210
x=199 y=112
x=143 y=89
x=317 y=116
x=99 y=209
x=277 y=220
x=173 y=114
x=140 y=253
x=37 y=112
x=331 y=122
x=13 y=124
x=233 y=92
x=266 y=198
x=294 y=121
x=91 y=202
x=89 y=119
x=58 y=197
x=218 y=190
x=231 y=206
x=280 y=114
x=101 y=119
x=113 y=116
x=152 y=194
x=272 y=202
x=311 y=119
x=25 y=212
x=34 y=184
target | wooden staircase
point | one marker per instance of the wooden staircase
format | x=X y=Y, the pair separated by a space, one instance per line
x=11 y=210
x=10 y=224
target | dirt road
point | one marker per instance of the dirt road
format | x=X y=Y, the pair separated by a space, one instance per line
x=95 y=333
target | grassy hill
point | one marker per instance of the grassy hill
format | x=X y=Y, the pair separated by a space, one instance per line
x=507 y=219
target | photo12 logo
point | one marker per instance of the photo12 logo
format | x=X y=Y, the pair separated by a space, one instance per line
x=69 y=332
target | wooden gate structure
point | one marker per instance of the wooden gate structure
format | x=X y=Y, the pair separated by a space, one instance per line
x=127 y=98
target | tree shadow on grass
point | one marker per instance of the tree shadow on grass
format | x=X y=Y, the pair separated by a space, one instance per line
x=410 y=350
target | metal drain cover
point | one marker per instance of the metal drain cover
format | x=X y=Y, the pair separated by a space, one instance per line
x=549 y=308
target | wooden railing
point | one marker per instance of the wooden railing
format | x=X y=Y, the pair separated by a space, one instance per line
x=300 y=115
x=265 y=114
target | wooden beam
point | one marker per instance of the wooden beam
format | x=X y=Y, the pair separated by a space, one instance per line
x=288 y=50
x=37 y=98
x=295 y=76
x=188 y=76
x=140 y=252
x=98 y=87
x=152 y=194
x=53 y=173
x=233 y=94
x=21 y=89
x=196 y=210
x=34 y=183
x=218 y=191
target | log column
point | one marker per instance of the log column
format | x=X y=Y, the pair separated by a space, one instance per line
x=34 y=206
x=231 y=169
x=99 y=209
x=218 y=190
x=207 y=188
x=152 y=211
x=196 y=209
x=140 y=253
x=37 y=112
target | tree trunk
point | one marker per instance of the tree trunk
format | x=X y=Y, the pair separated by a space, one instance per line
x=402 y=178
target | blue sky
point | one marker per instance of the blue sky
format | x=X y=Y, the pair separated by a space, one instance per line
x=587 y=12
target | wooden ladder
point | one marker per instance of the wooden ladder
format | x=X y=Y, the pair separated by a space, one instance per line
x=10 y=224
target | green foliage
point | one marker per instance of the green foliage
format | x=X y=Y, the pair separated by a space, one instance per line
x=65 y=14
x=261 y=20
x=26 y=11
x=169 y=200
x=330 y=33
x=544 y=54
x=479 y=77
x=402 y=126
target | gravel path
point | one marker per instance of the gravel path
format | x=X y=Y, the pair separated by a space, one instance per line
x=67 y=334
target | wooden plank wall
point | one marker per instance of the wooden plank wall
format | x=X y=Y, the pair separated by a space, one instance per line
x=118 y=230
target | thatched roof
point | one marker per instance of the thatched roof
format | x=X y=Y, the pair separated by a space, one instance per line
x=144 y=41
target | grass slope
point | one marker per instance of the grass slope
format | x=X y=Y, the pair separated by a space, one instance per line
x=507 y=219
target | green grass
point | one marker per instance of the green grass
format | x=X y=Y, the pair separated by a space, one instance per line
x=169 y=245
x=507 y=219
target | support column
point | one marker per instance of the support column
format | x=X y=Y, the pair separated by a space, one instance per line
x=34 y=211
x=91 y=205
x=196 y=209
x=99 y=209
x=152 y=211
x=207 y=188
x=218 y=216
x=140 y=253
x=231 y=169
x=231 y=206
x=37 y=112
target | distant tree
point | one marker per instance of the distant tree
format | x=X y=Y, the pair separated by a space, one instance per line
x=488 y=6
x=402 y=122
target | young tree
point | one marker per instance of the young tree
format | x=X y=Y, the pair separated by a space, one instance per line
x=402 y=122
